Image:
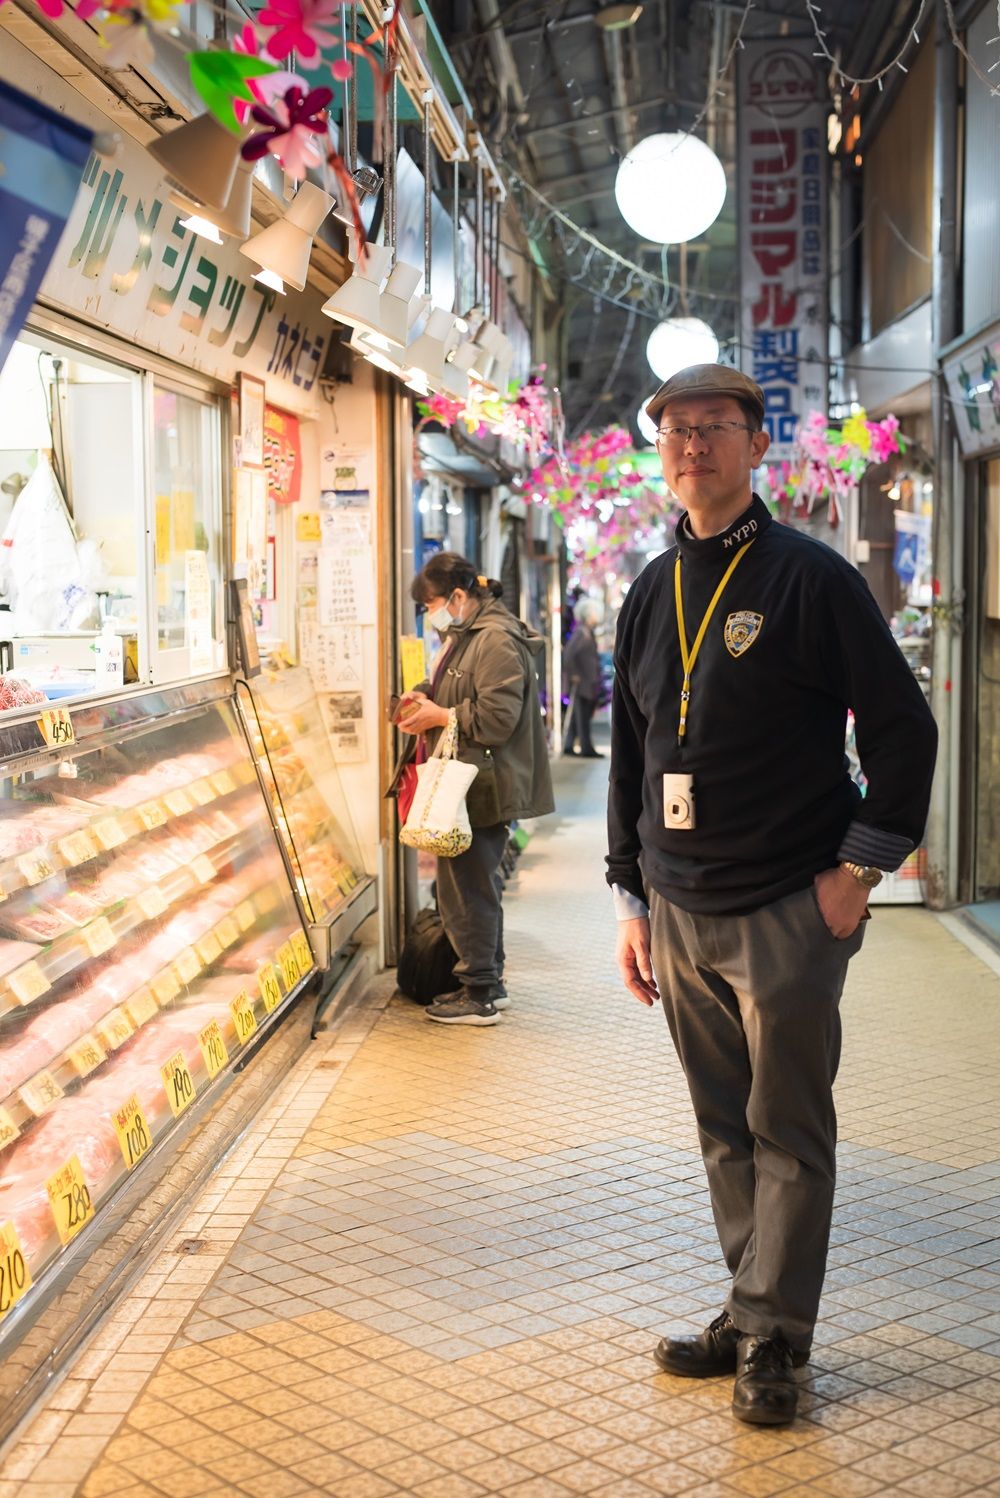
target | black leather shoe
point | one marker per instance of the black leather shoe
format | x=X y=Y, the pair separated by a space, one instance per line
x=709 y=1355
x=765 y=1392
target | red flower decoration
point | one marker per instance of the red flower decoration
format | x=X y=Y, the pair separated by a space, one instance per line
x=290 y=123
x=300 y=26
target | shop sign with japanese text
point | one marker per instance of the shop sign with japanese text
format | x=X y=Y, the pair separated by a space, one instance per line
x=125 y=263
x=972 y=378
x=783 y=232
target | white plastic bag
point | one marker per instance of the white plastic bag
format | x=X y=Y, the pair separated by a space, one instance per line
x=438 y=821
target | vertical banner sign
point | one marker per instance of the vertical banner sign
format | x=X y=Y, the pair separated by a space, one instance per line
x=282 y=456
x=783 y=232
x=42 y=156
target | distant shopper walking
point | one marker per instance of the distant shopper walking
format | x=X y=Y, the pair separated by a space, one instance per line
x=487 y=674
x=582 y=674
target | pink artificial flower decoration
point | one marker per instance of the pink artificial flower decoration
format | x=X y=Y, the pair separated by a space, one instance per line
x=300 y=26
x=291 y=125
x=342 y=70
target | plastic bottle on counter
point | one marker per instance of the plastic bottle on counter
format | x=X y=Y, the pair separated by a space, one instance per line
x=109 y=658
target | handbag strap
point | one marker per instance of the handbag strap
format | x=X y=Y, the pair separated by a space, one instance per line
x=447 y=745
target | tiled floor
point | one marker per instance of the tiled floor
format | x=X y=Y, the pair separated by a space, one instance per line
x=438 y=1265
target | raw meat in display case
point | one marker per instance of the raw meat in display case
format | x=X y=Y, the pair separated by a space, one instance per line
x=147 y=934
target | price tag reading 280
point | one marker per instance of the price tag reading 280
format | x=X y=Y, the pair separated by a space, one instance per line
x=69 y=1195
x=15 y=1276
x=178 y=1083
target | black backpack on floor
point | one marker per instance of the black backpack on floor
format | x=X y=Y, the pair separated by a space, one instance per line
x=427 y=961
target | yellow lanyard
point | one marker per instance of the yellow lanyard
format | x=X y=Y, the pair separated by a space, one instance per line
x=688 y=657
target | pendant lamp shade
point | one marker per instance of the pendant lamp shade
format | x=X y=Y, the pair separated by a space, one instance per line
x=397 y=300
x=499 y=373
x=487 y=346
x=284 y=247
x=356 y=303
x=234 y=217
x=427 y=356
x=199 y=159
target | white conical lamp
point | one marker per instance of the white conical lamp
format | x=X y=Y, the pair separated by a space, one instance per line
x=284 y=247
x=199 y=159
x=356 y=303
x=426 y=357
x=397 y=301
x=232 y=219
x=486 y=345
x=499 y=373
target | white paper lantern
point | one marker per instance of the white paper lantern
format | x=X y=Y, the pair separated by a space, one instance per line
x=646 y=427
x=670 y=188
x=678 y=342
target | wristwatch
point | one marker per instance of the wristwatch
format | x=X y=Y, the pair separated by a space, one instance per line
x=863 y=873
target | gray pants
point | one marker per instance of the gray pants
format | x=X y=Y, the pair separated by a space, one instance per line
x=752 y=1002
x=469 y=890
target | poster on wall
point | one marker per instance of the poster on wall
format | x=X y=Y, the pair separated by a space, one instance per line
x=344 y=716
x=251 y=421
x=198 y=612
x=782 y=159
x=334 y=656
x=283 y=456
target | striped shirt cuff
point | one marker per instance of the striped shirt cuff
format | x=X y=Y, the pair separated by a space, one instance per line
x=875 y=849
x=628 y=907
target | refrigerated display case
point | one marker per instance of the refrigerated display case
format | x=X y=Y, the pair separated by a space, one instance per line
x=284 y=723
x=149 y=940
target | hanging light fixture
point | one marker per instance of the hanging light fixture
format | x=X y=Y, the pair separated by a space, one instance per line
x=678 y=342
x=199 y=160
x=356 y=303
x=647 y=428
x=670 y=188
x=232 y=219
x=427 y=363
x=282 y=250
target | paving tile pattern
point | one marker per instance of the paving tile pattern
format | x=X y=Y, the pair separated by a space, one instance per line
x=438 y=1264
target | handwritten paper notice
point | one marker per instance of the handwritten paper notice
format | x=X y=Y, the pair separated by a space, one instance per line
x=346 y=590
x=332 y=654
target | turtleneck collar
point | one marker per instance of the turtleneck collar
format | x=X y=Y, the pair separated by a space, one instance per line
x=753 y=522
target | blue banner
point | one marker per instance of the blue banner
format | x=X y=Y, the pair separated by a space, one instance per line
x=42 y=156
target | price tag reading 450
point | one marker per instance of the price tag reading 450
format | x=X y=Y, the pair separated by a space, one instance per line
x=134 y=1134
x=178 y=1083
x=270 y=988
x=69 y=1195
x=57 y=728
x=15 y=1276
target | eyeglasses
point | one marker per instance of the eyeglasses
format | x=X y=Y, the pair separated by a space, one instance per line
x=708 y=431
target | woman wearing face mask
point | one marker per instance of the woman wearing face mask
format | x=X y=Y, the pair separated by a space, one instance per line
x=487 y=672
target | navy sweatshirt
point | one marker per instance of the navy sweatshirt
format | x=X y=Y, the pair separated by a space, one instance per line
x=766 y=724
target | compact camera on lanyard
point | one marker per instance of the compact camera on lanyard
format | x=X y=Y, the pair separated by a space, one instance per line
x=678 y=802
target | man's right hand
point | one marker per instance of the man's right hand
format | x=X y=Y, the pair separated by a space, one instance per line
x=634 y=961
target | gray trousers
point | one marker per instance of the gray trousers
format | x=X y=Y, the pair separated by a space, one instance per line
x=752 y=1002
x=469 y=889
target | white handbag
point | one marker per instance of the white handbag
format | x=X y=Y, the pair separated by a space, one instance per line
x=438 y=820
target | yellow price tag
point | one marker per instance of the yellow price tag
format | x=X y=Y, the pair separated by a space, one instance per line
x=227 y=931
x=177 y=803
x=245 y=915
x=213 y=1048
x=135 y=1137
x=151 y=902
x=166 y=986
x=187 y=965
x=56 y=727
x=203 y=869
x=34 y=867
x=267 y=899
x=152 y=815
x=243 y=1017
x=303 y=952
x=222 y=782
x=86 y=1056
x=209 y=948
x=141 y=1007
x=200 y=792
x=15 y=1276
x=28 y=983
x=78 y=847
x=115 y=1028
x=39 y=1094
x=109 y=833
x=178 y=1083
x=69 y=1195
x=9 y=1130
x=413 y=660
x=98 y=937
x=270 y=989
x=307 y=526
x=288 y=965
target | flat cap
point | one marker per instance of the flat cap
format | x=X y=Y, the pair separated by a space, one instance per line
x=708 y=379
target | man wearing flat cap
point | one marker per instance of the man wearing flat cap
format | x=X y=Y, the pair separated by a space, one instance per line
x=742 y=854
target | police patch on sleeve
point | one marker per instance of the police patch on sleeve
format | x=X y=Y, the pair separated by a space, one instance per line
x=741 y=631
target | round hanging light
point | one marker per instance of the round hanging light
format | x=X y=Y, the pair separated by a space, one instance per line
x=670 y=188
x=646 y=427
x=678 y=342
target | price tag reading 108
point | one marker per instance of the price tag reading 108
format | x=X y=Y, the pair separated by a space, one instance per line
x=15 y=1276
x=178 y=1083
x=134 y=1134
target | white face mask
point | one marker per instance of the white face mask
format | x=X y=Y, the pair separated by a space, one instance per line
x=441 y=619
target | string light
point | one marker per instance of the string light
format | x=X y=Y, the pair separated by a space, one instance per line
x=813 y=11
x=963 y=50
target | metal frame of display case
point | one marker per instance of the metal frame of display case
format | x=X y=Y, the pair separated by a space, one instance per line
x=39 y=1333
